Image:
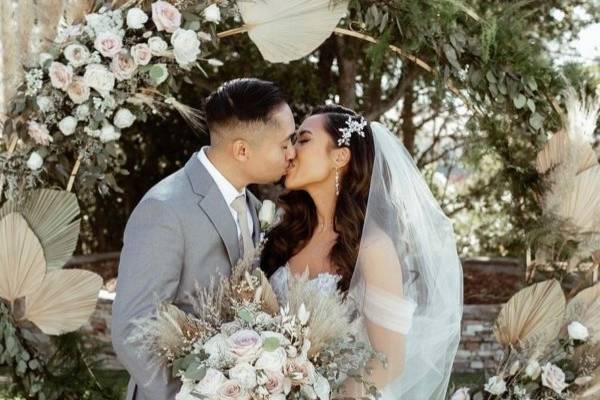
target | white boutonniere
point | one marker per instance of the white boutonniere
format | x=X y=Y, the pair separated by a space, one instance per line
x=268 y=215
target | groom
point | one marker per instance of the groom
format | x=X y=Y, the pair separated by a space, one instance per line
x=200 y=220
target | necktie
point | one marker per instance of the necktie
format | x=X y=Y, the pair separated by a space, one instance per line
x=241 y=208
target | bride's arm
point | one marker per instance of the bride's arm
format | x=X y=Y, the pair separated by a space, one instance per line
x=387 y=312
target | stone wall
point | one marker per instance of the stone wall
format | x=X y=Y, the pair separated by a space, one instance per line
x=477 y=349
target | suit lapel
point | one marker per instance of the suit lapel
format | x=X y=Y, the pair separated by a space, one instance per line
x=214 y=206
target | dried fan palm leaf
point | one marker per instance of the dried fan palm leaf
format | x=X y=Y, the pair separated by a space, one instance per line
x=52 y=214
x=64 y=301
x=268 y=24
x=585 y=308
x=22 y=264
x=582 y=206
x=556 y=150
x=532 y=317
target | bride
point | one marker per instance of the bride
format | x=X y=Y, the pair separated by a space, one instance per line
x=360 y=218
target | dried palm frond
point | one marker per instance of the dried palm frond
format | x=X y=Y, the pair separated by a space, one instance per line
x=268 y=24
x=582 y=205
x=52 y=215
x=268 y=299
x=531 y=318
x=193 y=116
x=22 y=264
x=581 y=116
x=585 y=309
x=329 y=314
x=168 y=333
x=64 y=301
x=555 y=152
x=212 y=304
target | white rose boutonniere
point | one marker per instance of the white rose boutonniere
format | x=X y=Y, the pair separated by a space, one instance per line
x=267 y=215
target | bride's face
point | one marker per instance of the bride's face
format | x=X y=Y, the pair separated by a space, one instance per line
x=316 y=156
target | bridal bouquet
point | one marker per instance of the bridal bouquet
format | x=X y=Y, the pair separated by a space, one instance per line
x=240 y=344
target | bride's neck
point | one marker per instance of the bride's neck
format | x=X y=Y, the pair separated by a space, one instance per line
x=325 y=202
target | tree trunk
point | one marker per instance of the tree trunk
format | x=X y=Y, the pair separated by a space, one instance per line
x=348 y=70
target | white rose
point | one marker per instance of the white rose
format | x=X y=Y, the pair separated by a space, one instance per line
x=98 y=77
x=245 y=374
x=553 y=377
x=578 y=331
x=141 y=53
x=212 y=13
x=186 y=46
x=123 y=118
x=35 y=161
x=245 y=345
x=77 y=54
x=44 y=103
x=495 y=385
x=274 y=381
x=67 y=125
x=78 y=91
x=60 y=75
x=108 y=44
x=533 y=370
x=209 y=385
x=216 y=345
x=123 y=66
x=272 y=360
x=39 y=133
x=136 y=18
x=157 y=46
x=461 y=394
x=232 y=389
x=165 y=16
x=108 y=133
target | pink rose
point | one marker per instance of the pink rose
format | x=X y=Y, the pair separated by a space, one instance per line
x=123 y=66
x=108 y=44
x=232 y=389
x=274 y=383
x=60 y=75
x=39 y=133
x=165 y=16
x=78 y=91
x=141 y=53
x=245 y=344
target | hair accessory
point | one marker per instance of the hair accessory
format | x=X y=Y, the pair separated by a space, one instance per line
x=353 y=125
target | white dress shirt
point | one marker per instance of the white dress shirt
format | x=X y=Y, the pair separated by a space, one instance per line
x=229 y=192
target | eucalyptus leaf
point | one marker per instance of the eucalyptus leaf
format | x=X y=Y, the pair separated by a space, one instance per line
x=245 y=315
x=195 y=371
x=519 y=101
x=271 y=344
x=536 y=121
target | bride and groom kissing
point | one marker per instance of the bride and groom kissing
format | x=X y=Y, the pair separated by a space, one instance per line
x=357 y=217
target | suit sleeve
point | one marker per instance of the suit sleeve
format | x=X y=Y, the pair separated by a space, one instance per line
x=149 y=270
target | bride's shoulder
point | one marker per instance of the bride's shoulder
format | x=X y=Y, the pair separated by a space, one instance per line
x=378 y=258
x=375 y=240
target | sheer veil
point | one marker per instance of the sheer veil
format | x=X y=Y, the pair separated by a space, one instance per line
x=407 y=283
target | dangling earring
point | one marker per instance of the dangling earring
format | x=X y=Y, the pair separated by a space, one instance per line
x=337 y=182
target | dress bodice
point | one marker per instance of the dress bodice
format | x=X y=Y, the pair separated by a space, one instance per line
x=323 y=283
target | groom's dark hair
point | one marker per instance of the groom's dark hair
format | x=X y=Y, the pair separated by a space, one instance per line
x=239 y=102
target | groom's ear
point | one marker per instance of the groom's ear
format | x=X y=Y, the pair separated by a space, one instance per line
x=240 y=150
x=341 y=157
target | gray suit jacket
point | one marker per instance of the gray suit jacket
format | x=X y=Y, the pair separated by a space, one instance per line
x=181 y=233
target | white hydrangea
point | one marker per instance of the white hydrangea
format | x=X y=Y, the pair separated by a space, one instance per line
x=67 y=125
x=123 y=118
x=35 y=161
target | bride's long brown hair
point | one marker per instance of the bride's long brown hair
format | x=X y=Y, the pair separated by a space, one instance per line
x=300 y=218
